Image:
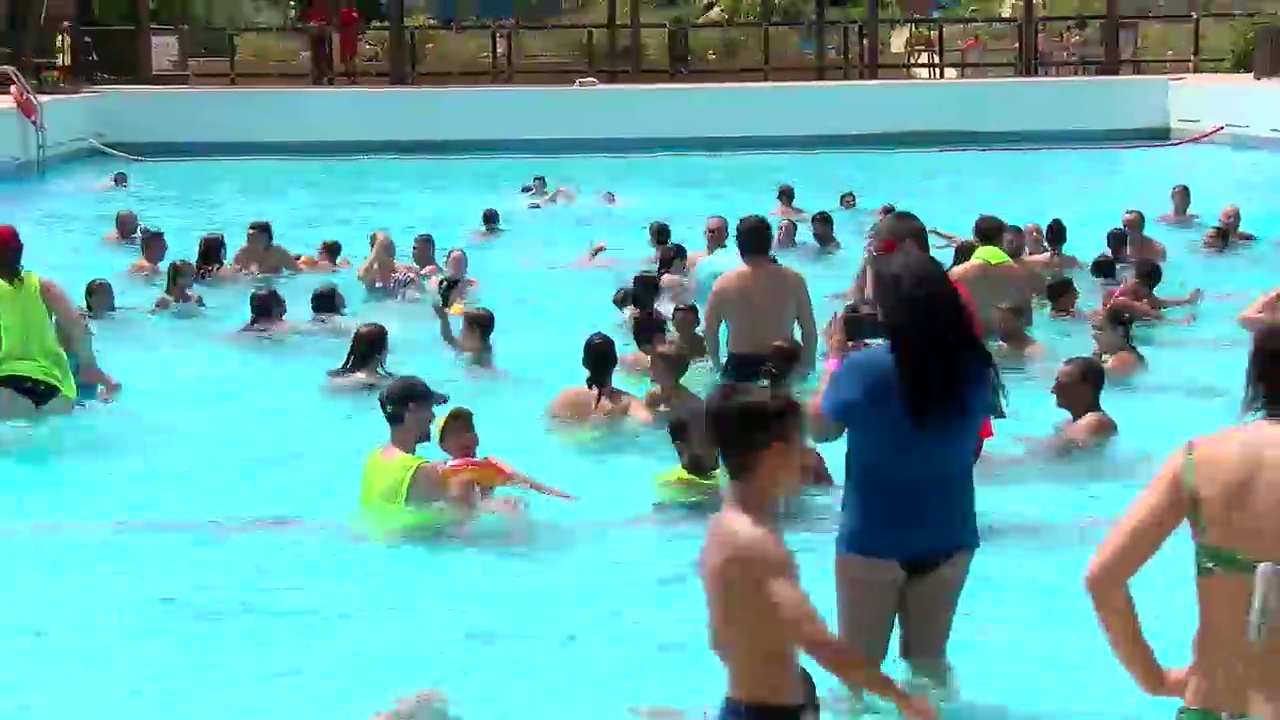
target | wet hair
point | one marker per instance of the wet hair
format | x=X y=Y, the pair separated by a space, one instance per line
x=1059 y=288
x=427 y=238
x=148 y=237
x=324 y=300
x=446 y=287
x=1222 y=235
x=902 y=227
x=821 y=217
x=622 y=298
x=719 y=220
x=91 y=288
x=119 y=179
x=786 y=192
x=1180 y=188
x=1122 y=321
x=936 y=348
x=1118 y=243
x=599 y=359
x=264 y=227
x=848 y=194
x=540 y=179
x=1142 y=219
x=331 y=250
x=1055 y=234
x=490 y=217
x=647 y=327
x=481 y=321
x=645 y=287
x=1262 y=378
x=1148 y=273
x=211 y=253
x=754 y=237
x=744 y=420
x=177 y=268
x=989 y=230
x=659 y=233
x=368 y=345
x=687 y=308
x=693 y=459
x=963 y=252
x=1103 y=267
x=263 y=304
x=1089 y=371
x=783 y=357
x=669 y=255
x=888 y=209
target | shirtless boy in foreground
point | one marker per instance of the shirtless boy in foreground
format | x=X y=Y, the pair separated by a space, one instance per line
x=758 y=614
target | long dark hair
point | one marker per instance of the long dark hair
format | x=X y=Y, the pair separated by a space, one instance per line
x=931 y=334
x=1262 y=379
x=211 y=254
x=176 y=268
x=368 y=344
x=599 y=359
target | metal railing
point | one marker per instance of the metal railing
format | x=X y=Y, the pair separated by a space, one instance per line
x=636 y=50
x=37 y=122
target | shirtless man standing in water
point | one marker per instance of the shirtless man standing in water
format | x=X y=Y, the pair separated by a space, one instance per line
x=761 y=301
x=992 y=279
x=758 y=614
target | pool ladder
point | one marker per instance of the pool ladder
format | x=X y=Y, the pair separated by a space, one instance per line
x=37 y=122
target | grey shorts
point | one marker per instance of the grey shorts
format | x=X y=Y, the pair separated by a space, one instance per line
x=872 y=593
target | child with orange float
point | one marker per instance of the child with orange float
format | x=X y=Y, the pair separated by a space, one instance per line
x=458 y=438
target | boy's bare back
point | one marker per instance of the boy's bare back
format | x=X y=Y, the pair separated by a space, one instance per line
x=743 y=565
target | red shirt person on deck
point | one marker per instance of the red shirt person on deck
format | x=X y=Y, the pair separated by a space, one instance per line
x=348 y=37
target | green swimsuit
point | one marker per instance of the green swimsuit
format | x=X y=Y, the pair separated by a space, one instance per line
x=1210 y=560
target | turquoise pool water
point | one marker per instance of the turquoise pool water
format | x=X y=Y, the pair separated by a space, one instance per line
x=123 y=596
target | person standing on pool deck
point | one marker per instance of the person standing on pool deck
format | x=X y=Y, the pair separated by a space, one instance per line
x=912 y=407
x=758 y=614
x=39 y=325
x=761 y=301
x=1224 y=485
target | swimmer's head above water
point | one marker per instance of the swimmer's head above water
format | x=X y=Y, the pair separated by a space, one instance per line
x=1077 y=388
x=716 y=232
x=1103 y=269
x=648 y=330
x=126 y=224
x=1216 y=239
x=1055 y=236
x=757 y=433
x=212 y=251
x=898 y=230
x=99 y=297
x=823 y=227
x=645 y=286
x=659 y=233
x=330 y=251
x=988 y=230
x=456 y=263
x=1015 y=242
x=600 y=360
x=328 y=300
x=491 y=220
x=754 y=238
x=786 y=235
x=1262 y=377
x=266 y=305
x=180 y=277
x=424 y=250
x=260 y=234
x=848 y=200
x=622 y=298
x=667 y=365
x=370 y=345
x=685 y=319
x=408 y=404
x=457 y=434
x=120 y=179
x=1180 y=196
x=1118 y=244
x=786 y=195
x=477 y=329
x=152 y=245
x=672 y=259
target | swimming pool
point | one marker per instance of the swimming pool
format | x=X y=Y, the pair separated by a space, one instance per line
x=122 y=594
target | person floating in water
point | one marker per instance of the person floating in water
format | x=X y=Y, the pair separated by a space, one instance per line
x=759 y=617
x=459 y=440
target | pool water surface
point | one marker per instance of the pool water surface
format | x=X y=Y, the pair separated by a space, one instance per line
x=124 y=596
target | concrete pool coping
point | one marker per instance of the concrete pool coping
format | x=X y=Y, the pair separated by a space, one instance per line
x=883 y=115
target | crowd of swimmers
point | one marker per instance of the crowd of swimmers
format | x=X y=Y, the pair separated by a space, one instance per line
x=907 y=369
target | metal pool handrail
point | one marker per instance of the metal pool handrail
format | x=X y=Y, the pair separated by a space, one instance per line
x=37 y=123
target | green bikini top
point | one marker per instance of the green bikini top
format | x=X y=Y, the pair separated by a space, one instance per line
x=1210 y=560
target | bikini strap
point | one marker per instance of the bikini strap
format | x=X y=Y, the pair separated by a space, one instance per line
x=1189 y=486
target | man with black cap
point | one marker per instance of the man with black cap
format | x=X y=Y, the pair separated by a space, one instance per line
x=39 y=328
x=394 y=475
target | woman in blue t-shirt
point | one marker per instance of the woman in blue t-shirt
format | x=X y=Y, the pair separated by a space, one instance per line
x=912 y=407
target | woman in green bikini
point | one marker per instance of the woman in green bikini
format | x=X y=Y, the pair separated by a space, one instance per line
x=1226 y=485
